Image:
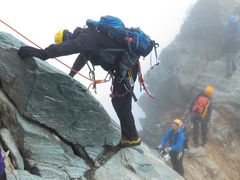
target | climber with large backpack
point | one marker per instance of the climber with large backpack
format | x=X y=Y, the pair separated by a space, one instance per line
x=200 y=111
x=97 y=44
x=174 y=143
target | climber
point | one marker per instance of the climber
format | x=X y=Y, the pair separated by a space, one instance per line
x=173 y=143
x=2 y=166
x=231 y=44
x=91 y=45
x=200 y=111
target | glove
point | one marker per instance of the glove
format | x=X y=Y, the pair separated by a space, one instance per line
x=160 y=147
x=25 y=52
x=167 y=150
x=28 y=51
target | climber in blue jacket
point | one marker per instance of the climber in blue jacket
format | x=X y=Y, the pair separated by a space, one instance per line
x=173 y=143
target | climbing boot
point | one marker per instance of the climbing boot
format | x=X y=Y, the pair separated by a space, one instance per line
x=129 y=143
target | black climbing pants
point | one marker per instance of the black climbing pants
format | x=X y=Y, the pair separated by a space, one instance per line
x=197 y=122
x=177 y=163
x=122 y=103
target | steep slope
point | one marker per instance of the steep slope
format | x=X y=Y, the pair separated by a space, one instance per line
x=192 y=61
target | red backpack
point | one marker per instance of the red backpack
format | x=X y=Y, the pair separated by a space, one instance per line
x=200 y=106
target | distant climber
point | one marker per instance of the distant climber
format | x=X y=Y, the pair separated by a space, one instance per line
x=231 y=44
x=113 y=56
x=173 y=143
x=200 y=111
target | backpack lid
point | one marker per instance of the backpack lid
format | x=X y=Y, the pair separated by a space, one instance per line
x=111 y=21
x=105 y=21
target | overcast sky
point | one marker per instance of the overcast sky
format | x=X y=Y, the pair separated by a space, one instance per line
x=40 y=20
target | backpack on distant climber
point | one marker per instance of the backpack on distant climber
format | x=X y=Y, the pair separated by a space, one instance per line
x=200 y=106
x=134 y=39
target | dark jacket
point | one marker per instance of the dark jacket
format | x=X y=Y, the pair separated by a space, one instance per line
x=99 y=48
x=83 y=40
x=209 y=110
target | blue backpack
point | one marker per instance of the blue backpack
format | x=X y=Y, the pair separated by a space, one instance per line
x=134 y=39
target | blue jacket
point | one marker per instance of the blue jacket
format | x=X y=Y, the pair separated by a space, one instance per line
x=175 y=141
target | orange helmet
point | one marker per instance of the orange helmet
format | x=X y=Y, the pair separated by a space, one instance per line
x=178 y=122
x=209 y=90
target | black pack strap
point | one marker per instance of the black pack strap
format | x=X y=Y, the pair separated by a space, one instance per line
x=174 y=139
x=128 y=41
x=129 y=88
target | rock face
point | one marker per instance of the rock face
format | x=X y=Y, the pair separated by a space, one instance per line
x=54 y=128
x=191 y=62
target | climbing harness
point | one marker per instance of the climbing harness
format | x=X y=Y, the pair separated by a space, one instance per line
x=93 y=79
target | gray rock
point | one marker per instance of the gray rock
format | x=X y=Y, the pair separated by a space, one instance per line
x=12 y=147
x=44 y=153
x=135 y=163
x=22 y=175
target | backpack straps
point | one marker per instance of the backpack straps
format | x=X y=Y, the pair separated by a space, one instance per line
x=206 y=109
x=129 y=87
x=128 y=41
x=170 y=137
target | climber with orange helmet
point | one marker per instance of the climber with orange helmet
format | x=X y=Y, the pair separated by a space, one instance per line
x=200 y=111
x=173 y=143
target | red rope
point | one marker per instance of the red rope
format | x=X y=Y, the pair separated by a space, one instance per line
x=142 y=81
